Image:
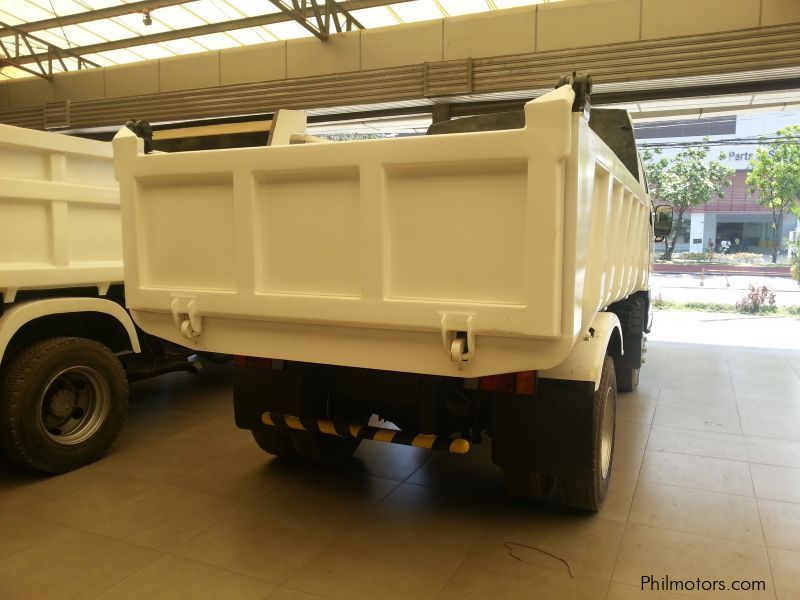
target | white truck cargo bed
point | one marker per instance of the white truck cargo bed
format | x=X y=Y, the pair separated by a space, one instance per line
x=59 y=212
x=383 y=253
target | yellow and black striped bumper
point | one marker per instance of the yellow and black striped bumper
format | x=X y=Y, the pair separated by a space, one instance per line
x=365 y=432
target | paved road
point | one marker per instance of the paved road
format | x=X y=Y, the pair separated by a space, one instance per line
x=684 y=287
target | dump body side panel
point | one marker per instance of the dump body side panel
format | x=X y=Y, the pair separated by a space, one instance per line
x=59 y=212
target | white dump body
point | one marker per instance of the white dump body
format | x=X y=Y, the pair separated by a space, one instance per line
x=381 y=253
x=59 y=212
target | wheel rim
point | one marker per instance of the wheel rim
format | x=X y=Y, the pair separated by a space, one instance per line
x=607 y=435
x=74 y=405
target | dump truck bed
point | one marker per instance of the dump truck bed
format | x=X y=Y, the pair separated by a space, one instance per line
x=385 y=253
x=59 y=212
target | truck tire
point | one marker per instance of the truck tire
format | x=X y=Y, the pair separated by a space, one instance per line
x=587 y=488
x=64 y=401
x=322 y=447
x=275 y=441
x=627 y=379
x=632 y=314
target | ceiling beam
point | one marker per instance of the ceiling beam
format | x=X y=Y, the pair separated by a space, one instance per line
x=93 y=15
x=43 y=60
x=268 y=19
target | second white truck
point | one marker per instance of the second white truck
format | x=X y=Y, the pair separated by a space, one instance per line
x=489 y=279
x=68 y=347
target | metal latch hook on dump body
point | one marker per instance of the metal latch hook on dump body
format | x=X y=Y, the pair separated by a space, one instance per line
x=186 y=317
x=458 y=335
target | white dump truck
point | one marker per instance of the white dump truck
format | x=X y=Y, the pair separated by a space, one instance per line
x=67 y=344
x=490 y=278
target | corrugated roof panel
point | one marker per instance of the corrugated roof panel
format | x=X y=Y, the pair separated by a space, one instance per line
x=209 y=11
x=464 y=7
x=176 y=17
x=375 y=17
x=254 y=35
x=76 y=35
x=184 y=46
x=133 y=25
x=122 y=56
x=104 y=60
x=248 y=8
x=418 y=10
x=216 y=41
x=24 y=11
x=151 y=51
x=288 y=30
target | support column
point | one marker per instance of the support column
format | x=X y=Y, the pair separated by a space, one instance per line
x=696 y=232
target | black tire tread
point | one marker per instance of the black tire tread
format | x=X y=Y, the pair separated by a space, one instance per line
x=275 y=441
x=587 y=492
x=13 y=378
x=627 y=379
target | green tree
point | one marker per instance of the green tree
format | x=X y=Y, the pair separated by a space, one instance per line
x=775 y=175
x=686 y=180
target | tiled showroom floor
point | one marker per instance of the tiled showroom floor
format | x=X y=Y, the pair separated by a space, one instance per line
x=706 y=484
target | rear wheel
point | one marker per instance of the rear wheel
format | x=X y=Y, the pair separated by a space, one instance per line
x=586 y=488
x=627 y=379
x=64 y=401
x=273 y=440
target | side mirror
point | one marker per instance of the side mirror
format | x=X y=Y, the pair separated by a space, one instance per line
x=662 y=224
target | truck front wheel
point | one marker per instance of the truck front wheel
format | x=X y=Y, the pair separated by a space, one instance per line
x=62 y=404
x=587 y=486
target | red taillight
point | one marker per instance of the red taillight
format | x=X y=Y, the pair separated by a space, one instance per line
x=253 y=362
x=523 y=382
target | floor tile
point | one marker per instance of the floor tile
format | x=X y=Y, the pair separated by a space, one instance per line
x=771 y=451
x=19 y=532
x=617 y=504
x=75 y=498
x=686 y=395
x=265 y=545
x=712 y=474
x=287 y=593
x=333 y=491
x=73 y=564
x=776 y=483
x=241 y=474
x=786 y=572
x=631 y=434
x=525 y=565
x=627 y=461
x=163 y=517
x=173 y=577
x=635 y=408
x=391 y=461
x=697 y=511
x=624 y=591
x=440 y=515
x=719 y=419
x=658 y=553
x=756 y=425
x=365 y=563
x=699 y=443
x=588 y=543
x=781 y=523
